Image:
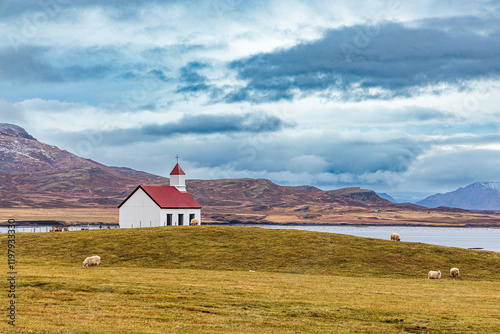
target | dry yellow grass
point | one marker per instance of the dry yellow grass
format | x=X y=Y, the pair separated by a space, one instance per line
x=70 y=215
x=197 y=279
x=324 y=214
x=316 y=214
x=59 y=299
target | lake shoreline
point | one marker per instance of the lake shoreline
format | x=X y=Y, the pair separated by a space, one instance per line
x=354 y=225
x=45 y=223
x=475 y=238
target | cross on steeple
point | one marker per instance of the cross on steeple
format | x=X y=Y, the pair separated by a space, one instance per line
x=177 y=157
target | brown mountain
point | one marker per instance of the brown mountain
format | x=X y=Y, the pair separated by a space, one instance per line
x=39 y=175
x=35 y=174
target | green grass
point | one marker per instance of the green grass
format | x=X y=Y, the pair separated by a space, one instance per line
x=197 y=280
x=244 y=248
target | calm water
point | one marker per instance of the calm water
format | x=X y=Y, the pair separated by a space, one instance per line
x=471 y=237
x=486 y=238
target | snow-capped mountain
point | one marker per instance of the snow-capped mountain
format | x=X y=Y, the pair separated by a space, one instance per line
x=475 y=196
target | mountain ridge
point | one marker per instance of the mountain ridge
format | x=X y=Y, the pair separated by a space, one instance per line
x=36 y=174
x=483 y=195
x=13 y=130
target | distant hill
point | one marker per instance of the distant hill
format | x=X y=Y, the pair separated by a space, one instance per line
x=387 y=197
x=475 y=196
x=406 y=198
x=35 y=174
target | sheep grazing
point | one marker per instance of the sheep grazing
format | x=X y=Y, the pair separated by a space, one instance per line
x=92 y=261
x=434 y=274
x=194 y=221
x=395 y=237
x=454 y=272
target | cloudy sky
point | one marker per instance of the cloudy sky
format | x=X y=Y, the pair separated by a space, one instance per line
x=394 y=96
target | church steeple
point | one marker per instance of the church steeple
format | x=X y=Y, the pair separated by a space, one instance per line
x=177 y=170
x=178 y=177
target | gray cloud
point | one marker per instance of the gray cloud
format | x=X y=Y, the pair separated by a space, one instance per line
x=97 y=74
x=325 y=159
x=32 y=64
x=192 y=80
x=205 y=124
x=393 y=57
x=26 y=64
x=37 y=64
x=278 y=152
x=188 y=125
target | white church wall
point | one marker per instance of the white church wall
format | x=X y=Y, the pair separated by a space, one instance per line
x=139 y=211
x=175 y=215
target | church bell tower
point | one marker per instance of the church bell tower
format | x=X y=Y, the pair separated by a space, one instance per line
x=178 y=177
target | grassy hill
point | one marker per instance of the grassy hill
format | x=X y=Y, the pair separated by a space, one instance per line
x=247 y=248
x=219 y=279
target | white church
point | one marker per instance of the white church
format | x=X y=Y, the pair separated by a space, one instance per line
x=151 y=206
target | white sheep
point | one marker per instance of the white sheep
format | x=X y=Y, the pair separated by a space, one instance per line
x=434 y=274
x=395 y=237
x=92 y=261
x=454 y=272
x=194 y=221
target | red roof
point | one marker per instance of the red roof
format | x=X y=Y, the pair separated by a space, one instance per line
x=177 y=170
x=168 y=197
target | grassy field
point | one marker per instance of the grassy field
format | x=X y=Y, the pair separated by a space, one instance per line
x=215 y=279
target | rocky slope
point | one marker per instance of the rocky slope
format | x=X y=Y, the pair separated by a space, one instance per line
x=475 y=196
x=39 y=175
